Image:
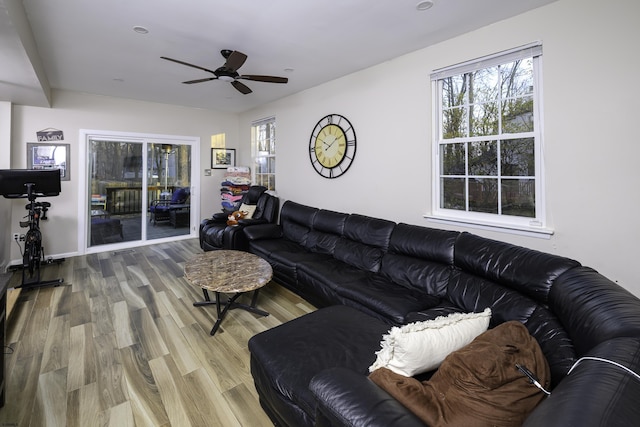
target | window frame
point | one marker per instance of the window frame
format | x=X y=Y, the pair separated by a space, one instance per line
x=269 y=177
x=536 y=225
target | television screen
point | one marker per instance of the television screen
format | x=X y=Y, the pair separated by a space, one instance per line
x=13 y=182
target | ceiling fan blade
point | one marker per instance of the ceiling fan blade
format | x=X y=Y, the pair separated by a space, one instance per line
x=187 y=64
x=235 y=60
x=190 y=82
x=268 y=79
x=241 y=87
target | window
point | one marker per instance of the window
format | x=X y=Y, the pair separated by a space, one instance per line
x=487 y=140
x=263 y=137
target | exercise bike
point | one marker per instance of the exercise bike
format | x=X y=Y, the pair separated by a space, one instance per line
x=33 y=255
x=31 y=184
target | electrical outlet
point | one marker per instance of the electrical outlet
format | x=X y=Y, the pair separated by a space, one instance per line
x=15 y=236
x=22 y=237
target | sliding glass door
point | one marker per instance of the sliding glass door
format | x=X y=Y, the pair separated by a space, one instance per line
x=138 y=189
x=168 y=189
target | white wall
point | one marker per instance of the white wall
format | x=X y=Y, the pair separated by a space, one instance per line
x=74 y=111
x=591 y=150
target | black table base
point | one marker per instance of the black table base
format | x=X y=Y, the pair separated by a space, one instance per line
x=229 y=304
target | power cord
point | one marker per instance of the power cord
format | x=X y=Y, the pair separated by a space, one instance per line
x=599 y=359
x=536 y=382
x=532 y=378
x=18 y=243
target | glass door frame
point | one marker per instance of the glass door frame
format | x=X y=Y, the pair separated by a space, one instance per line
x=84 y=196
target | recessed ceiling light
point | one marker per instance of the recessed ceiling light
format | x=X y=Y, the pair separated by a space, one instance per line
x=118 y=80
x=288 y=70
x=424 y=5
x=140 y=29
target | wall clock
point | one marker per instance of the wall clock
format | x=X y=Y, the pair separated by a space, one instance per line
x=332 y=146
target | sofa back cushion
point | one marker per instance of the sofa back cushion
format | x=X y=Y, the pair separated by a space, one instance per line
x=364 y=241
x=526 y=270
x=473 y=293
x=420 y=258
x=593 y=309
x=423 y=243
x=327 y=230
x=296 y=221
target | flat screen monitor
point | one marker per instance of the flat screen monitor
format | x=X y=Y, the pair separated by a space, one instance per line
x=13 y=182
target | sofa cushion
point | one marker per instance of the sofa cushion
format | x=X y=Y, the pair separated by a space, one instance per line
x=285 y=358
x=359 y=255
x=296 y=221
x=423 y=243
x=477 y=385
x=594 y=308
x=364 y=241
x=321 y=276
x=180 y=196
x=525 y=270
x=369 y=231
x=420 y=347
x=327 y=230
x=422 y=275
x=473 y=293
x=384 y=299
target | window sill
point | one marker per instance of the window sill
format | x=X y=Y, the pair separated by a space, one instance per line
x=538 y=232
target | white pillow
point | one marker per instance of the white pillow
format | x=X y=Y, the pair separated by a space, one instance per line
x=422 y=346
x=249 y=209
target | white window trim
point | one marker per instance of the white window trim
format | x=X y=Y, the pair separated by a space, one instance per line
x=537 y=226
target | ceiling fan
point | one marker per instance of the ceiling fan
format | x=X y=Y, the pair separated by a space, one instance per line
x=229 y=72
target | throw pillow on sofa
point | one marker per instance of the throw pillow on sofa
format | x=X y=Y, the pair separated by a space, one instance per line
x=422 y=346
x=249 y=209
x=478 y=385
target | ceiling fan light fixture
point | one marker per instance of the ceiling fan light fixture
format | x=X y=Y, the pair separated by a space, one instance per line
x=424 y=5
x=226 y=78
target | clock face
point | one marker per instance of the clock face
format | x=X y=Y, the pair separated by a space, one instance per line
x=332 y=146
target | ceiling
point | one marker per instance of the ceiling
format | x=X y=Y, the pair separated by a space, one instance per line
x=91 y=46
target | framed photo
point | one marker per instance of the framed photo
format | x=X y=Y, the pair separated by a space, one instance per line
x=222 y=158
x=49 y=156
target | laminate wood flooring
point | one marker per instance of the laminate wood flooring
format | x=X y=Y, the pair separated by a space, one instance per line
x=120 y=344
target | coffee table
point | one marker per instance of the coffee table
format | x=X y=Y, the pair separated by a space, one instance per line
x=228 y=272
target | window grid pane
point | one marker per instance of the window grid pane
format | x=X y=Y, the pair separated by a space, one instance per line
x=487 y=146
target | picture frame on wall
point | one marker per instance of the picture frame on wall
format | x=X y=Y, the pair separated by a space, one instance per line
x=43 y=156
x=222 y=158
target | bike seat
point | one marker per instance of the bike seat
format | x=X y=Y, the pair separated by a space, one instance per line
x=45 y=204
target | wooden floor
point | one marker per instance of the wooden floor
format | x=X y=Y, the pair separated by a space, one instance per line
x=120 y=344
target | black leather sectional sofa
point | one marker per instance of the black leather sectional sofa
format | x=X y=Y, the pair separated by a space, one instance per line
x=367 y=275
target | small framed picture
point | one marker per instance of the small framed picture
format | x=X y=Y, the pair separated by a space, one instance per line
x=222 y=158
x=49 y=156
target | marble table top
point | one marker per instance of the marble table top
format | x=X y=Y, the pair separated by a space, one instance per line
x=228 y=271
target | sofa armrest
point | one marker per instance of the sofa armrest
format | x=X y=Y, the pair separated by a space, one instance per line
x=251 y=221
x=346 y=398
x=596 y=393
x=263 y=231
x=219 y=217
